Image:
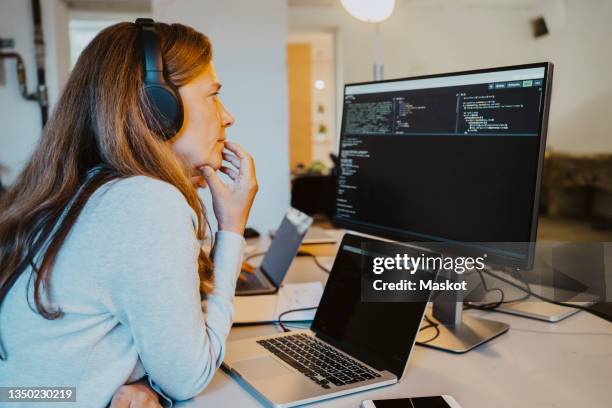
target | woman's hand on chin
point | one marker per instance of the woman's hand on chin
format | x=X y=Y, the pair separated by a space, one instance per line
x=232 y=202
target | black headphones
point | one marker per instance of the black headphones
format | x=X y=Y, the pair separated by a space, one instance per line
x=162 y=95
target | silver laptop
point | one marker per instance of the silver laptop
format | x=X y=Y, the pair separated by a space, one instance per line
x=268 y=277
x=352 y=345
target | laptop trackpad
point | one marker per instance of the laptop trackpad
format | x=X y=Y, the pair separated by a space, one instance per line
x=260 y=368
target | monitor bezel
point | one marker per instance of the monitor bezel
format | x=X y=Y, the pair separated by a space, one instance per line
x=493 y=258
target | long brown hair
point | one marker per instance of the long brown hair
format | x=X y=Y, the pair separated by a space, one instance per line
x=102 y=122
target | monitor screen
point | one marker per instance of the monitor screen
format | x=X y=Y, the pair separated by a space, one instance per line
x=380 y=334
x=446 y=158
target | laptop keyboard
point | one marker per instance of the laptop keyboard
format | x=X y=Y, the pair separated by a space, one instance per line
x=318 y=361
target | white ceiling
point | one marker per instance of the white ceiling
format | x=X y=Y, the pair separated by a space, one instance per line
x=108 y=5
x=145 y=5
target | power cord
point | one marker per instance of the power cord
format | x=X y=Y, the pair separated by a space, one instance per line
x=300 y=253
x=430 y=324
x=315 y=259
x=528 y=290
x=493 y=305
x=280 y=316
x=529 y=293
x=279 y=322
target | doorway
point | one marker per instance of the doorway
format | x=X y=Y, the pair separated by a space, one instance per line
x=312 y=104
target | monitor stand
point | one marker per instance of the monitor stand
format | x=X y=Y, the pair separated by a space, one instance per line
x=534 y=308
x=459 y=333
x=567 y=272
x=540 y=310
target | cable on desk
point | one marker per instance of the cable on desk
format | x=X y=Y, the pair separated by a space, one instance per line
x=430 y=324
x=300 y=253
x=303 y=325
x=315 y=259
x=494 y=305
x=527 y=289
x=280 y=316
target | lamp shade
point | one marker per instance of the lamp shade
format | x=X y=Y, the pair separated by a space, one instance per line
x=370 y=11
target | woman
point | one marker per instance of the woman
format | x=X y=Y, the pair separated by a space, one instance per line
x=101 y=266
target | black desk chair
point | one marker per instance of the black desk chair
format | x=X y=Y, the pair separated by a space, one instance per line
x=314 y=194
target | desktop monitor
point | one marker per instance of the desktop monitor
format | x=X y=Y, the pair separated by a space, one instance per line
x=450 y=158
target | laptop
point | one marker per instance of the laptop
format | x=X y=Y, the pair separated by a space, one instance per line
x=268 y=277
x=352 y=345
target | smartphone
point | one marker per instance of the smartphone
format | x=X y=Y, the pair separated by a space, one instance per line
x=443 y=401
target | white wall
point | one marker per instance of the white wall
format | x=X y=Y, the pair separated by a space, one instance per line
x=249 y=44
x=433 y=36
x=20 y=119
x=84 y=25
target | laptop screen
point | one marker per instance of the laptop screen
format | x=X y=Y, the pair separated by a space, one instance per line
x=379 y=334
x=285 y=245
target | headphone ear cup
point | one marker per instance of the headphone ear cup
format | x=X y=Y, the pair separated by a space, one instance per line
x=168 y=117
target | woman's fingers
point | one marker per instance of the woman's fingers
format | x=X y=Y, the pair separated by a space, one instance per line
x=247 y=167
x=237 y=149
x=144 y=401
x=120 y=402
x=232 y=201
x=230 y=158
x=135 y=396
x=231 y=173
x=214 y=182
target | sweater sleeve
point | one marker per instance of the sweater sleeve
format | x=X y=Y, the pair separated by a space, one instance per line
x=153 y=288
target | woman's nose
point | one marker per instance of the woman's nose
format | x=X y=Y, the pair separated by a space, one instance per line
x=226 y=117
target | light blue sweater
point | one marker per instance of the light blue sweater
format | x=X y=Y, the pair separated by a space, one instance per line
x=127 y=282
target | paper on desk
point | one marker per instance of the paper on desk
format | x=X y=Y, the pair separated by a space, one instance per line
x=267 y=308
x=253 y=309
x=298 y=296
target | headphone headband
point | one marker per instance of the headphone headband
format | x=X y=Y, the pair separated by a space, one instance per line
x=154 y=67
x=162 y=95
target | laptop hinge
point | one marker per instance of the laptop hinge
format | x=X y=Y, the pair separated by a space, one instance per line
x=270 y=281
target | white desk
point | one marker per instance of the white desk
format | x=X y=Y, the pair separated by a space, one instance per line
x=535 y=364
